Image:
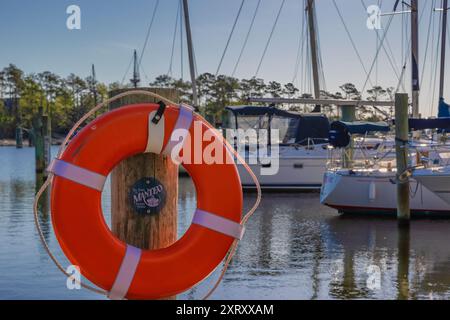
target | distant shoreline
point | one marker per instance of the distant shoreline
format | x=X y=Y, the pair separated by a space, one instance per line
x=12 y=143
x=8 y=143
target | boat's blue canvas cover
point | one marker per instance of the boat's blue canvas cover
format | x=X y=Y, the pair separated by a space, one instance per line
x=444 y=109
x=359 y=127
x=313 y=127
x=340 y=132
x=422 y=124
x=261 y=111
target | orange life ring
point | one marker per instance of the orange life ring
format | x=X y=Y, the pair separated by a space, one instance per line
x=77 y=217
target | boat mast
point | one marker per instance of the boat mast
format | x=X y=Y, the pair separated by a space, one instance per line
x=191 y=52
x=314 y=56
x=415 y=57
x=443 y=47
x=136 y=78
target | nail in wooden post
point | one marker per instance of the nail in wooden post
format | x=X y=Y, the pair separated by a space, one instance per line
x=401 y=147
x=145 y=231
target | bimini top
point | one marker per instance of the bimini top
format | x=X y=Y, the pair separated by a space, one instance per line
x=359 y=127
x=261 y=111
x=293 y=127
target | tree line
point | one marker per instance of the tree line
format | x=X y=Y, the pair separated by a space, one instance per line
x=66 y=99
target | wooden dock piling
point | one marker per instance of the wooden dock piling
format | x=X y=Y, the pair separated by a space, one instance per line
x=144 y=230
x=42 y=142
x=401 y=147
x=19 y=137
x=38 y=133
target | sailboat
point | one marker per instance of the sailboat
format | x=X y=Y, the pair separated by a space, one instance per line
x=303 y=144
x=373 y=189
x=437 y=178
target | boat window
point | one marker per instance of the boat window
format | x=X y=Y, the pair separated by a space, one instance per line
x=253 y=122
x=287 y=129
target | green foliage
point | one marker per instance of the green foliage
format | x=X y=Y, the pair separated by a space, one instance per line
x=67 y=99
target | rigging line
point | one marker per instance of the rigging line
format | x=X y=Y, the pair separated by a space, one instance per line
x=143 y=71
x=181 y=43
x=270 y=37
x=390 y=56
x=169 y=72
x=230 y=36
x=300 y=52
x=376 y=46
x=126 y=72
x=433 y=41
x=147 y=37
x=428 y=41
x=438 y=45
x=322 y=73
x=302 y=55
x=302 y=80
x=300 y=45
x=401 y=81
x=407 y=56
x=378 y=50
x=246 y=38
x=352 y=41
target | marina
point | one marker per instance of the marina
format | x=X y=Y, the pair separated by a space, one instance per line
x=181 y=184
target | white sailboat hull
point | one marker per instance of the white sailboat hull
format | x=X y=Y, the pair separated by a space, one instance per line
x=375 y=193
x=436 y=180
x=300 y=168
x=294 y=173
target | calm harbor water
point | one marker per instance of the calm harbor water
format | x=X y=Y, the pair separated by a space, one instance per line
x=294 y=248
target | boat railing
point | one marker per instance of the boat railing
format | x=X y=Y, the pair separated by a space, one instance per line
x=382 y=156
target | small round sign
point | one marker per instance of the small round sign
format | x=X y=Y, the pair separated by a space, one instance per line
x=148 y=196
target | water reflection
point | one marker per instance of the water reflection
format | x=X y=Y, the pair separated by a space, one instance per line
x=403 y=262
x=293 y=249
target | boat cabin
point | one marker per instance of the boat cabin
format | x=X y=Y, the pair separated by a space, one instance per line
x=294 y=128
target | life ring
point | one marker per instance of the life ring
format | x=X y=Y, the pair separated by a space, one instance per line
x=77 y=217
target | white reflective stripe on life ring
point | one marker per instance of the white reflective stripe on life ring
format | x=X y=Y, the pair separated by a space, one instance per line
x=181 y=129
x=155 y=136
x=219 y=224
x=77 y=174
x=126 y=273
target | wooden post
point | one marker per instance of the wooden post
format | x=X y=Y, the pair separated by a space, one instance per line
x=19 y=137
x=145 y=231
x=39 y=142
x=348 y=114
x=47 y=134
x=401 y=147
x=42 y=151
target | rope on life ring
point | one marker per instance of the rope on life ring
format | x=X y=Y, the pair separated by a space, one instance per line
x=63 y=147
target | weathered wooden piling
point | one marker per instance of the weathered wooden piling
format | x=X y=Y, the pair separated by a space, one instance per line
x=401 y=147
x=38 y=133
x=19 y=137
x=143 y=229
x=348 y=114
x=42 y=142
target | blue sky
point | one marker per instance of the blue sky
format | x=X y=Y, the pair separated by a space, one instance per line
x=35 y=38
